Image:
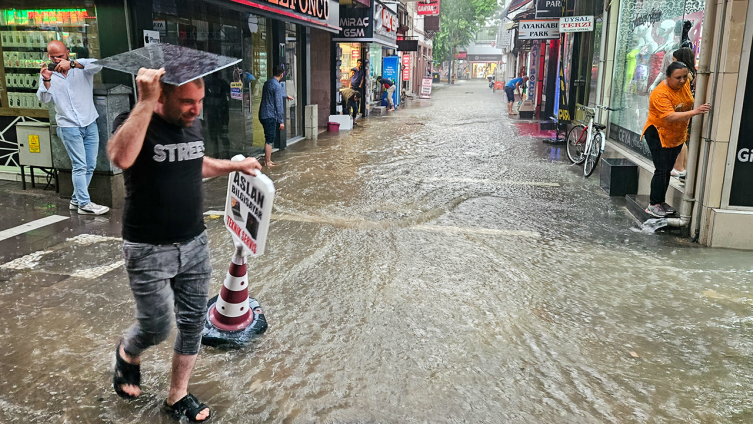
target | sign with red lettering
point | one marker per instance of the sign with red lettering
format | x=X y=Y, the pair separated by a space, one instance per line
x=425 y=88
x=577 y=24
x=248 y=208
x=406 y=67
x=428 y=7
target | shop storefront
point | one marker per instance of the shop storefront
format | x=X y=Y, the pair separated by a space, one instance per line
x=263 y=35
x=24 y=34
x=648 y=30
x=368 y=33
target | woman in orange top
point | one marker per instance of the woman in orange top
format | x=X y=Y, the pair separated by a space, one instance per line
x=670 y=108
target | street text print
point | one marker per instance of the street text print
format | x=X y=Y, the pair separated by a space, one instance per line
x=178 y=152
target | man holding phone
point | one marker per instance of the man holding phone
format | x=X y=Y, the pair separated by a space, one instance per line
x=70 y=83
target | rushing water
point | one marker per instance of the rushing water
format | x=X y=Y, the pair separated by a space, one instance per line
x=431 y=266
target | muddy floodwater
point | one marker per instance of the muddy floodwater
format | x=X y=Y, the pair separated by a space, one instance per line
x=430 y=266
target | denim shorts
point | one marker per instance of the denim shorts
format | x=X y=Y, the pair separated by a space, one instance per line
x=166 y=280
x=510 y=94
x=270 y=130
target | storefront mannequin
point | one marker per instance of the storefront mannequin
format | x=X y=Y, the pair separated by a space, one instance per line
x=669 y=31
x=636 y=43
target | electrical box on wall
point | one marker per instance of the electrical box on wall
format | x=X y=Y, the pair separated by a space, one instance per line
x=34 y=144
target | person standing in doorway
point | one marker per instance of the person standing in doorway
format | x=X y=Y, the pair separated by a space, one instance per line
x=70 y=85
x=160 y=148
x=670 y=108
x=271 y=111
x=358 y=82
x=389 y=86
x=510 y=87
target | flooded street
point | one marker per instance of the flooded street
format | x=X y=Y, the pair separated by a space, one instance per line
x=430 y=266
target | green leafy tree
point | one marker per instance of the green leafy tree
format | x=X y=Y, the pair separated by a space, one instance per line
x=460 y=20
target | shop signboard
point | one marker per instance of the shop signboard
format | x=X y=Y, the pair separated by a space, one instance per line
x=428 y=7
x=538 y=29
x=236 y=90
x=484 y=57
x=548 y=9
x=406 y=67
x=375 y=24
x=317 y=13
x=425 y=88
x=248 y=208
x=576 y=24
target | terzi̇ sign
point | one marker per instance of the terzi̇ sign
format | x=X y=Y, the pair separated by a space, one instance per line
x=538 y=29
x=577 y=24
x=316 y=8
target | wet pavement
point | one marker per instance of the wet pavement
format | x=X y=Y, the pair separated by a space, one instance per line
x=429 y=266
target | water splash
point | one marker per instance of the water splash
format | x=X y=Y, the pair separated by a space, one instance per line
x=653 y=224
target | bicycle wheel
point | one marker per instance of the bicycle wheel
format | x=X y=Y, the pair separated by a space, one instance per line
x=592 y=156
x=576 y=143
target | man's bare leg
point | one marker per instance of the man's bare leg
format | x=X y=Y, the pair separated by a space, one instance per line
x=509 y=108
x=268 y=155
x=182 y=367
x=128 y=388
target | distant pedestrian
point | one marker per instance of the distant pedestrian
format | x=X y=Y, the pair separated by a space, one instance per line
x=70 y=85
x=350 y=100
x=510 y=87
x=271 y=111
x=389 y=87
x=670 y=108
x=160 y=149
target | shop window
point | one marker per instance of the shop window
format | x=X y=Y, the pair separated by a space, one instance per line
x=648 y=30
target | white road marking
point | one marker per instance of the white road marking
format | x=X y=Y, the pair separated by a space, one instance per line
x=29 y=226
x=26 y=262
x=96 y=272
x=87 y=239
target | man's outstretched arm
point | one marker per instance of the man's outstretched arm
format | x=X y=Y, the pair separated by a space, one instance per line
x=125 y=145
x=216 y=167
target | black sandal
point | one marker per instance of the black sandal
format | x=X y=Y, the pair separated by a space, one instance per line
x=125 y=374
x=188 y=407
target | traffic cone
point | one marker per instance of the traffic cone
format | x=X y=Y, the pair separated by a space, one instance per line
x=232 y=317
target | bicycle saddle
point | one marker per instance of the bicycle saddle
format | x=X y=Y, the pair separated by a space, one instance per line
x=600 y=127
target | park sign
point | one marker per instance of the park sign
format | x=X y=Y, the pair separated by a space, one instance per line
x=577 y=24
x=548 y=9
x=538 y=29
x=248 y=208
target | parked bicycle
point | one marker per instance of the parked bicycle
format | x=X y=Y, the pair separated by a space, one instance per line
x=585 y=143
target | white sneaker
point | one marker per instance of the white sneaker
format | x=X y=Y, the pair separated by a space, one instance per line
x=73 y=205
x=92 y=208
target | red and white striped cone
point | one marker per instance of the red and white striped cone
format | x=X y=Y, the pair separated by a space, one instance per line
x=231 y=312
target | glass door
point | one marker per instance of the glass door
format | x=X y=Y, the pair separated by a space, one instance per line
x=293 y=88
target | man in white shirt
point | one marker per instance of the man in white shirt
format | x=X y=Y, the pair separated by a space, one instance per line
x=70 y=85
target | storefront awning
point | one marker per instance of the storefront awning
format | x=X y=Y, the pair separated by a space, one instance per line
x=365 y=40
x=517 y=7
x=260 y=7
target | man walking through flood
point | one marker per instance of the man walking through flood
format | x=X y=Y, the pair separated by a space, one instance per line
x=161 y=151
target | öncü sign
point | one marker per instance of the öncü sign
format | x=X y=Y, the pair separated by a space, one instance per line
x=577 y=24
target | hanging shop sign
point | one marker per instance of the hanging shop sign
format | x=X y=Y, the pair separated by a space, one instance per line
x=428 y=7
x=407 y=45
x=316 y=13
x=576 y=24
x=377 y=24
x=406 y=67
x=532 y=75
x=548 y=9
x=538 y=29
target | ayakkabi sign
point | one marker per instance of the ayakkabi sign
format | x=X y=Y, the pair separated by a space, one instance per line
x=538 y=29
x=577 y=24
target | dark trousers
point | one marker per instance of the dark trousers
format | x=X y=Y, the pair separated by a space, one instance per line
x=664 y=160
x=350 y=107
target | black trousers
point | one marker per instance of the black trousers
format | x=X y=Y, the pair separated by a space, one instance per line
x=664 y=160
x=350 y=107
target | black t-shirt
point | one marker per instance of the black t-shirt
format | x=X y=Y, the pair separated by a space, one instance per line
x=164 y=193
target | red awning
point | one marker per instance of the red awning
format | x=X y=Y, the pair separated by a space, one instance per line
x=461 y=55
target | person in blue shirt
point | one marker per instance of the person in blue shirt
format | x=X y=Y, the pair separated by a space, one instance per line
x=70 y=85
x=510 y=87
x=271 y=111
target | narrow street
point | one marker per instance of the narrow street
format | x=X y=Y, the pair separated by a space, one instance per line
x=429 y=266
